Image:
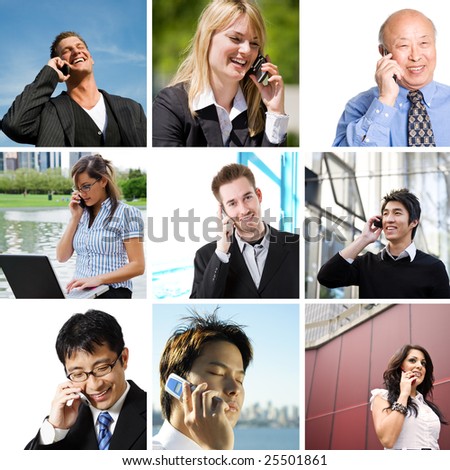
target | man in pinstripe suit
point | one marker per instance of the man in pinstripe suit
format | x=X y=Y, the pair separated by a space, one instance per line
x=84 y=116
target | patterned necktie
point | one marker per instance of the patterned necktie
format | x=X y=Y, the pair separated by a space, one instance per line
x=104 y=435
x=420 y=133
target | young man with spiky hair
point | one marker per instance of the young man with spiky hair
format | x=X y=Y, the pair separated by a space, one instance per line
x=213 y=355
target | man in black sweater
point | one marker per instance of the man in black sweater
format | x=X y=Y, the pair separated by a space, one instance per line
x=399 y=270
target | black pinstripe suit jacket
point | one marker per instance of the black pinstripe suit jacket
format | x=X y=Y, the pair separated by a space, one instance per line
x=36 y=118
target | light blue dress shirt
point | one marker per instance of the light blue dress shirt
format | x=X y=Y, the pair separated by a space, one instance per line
x=366 y=122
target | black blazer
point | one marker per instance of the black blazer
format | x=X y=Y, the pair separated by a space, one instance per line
x=130 y=432
x=36 y=118
x=280 y=278
x=174 y=125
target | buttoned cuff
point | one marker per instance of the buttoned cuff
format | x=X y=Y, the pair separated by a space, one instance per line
x=276 y=127
x=223 y=257
x=49 y=435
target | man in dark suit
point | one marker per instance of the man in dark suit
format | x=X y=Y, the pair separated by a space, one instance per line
x=250 y=259
x=84 y=116
x=95 y=408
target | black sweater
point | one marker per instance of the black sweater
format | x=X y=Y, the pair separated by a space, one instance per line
x=423 y=278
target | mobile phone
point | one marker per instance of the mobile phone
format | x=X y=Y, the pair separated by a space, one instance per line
x=83 y=399
x=256 y=69
x=378 y=223
x=65 y=69
x=82 y=203
x=386 y=52
x=174 y=385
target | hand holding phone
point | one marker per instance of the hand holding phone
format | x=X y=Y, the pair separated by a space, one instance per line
x=174 y=385
x=385 y=53
x=255 y=69
x=378 y=223
x=65 y=69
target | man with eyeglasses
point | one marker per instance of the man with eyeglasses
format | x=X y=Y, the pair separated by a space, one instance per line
x=95 y=408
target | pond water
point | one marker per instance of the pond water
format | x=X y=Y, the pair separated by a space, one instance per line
x=37 y=231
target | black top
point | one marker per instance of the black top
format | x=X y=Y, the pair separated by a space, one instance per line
x=280 y=276
x=423 y=278
x=175 y=126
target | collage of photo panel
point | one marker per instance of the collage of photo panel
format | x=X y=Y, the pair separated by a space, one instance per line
x=285 y=294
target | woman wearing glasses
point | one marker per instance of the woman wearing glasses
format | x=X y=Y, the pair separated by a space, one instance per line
x=105 y=233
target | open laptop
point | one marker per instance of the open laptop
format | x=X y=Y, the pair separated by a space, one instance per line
x=33 y=277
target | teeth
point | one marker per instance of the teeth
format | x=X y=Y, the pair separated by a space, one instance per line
x=77 y=61
x=240 y=62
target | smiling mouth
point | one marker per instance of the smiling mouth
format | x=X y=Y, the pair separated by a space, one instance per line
x=240 y=62
x=99 y=396
x=78 y=61
x=416 y=69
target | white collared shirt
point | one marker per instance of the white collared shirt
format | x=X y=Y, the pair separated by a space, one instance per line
x=410 y=251
x=418 y=432
x=169 y=438
x=276 y=124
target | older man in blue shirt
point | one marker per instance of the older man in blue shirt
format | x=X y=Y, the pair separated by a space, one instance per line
x=379 y=116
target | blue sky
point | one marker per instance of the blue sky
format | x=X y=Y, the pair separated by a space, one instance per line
x=274 y=331
x=115 y=31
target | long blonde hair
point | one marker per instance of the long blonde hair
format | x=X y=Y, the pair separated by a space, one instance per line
x=194 y=70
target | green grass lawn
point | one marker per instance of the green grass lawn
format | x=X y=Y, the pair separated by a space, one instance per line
x=17 y=201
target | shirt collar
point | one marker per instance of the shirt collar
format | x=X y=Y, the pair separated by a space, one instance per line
x=206 y=98
x=171 y=439
x=265 y=242
x=428 y=92
x=114 y=411
x=410 y=251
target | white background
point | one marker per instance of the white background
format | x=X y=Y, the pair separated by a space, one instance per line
x=338 y=56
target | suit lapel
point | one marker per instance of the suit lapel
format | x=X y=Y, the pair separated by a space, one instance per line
x=124 y=118
x=63 y=105
x=274 y=259
x=132 y=421
x=209 y=122
x=239 y=134
x=240 y=269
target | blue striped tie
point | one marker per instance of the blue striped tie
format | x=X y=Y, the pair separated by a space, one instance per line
x=104 y=435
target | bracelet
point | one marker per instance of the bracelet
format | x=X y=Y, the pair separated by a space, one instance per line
x=399 y=407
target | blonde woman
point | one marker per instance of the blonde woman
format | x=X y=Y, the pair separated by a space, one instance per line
x=106 y=234
x=215 y=98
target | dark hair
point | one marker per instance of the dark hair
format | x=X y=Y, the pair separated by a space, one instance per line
x=230 y=173
x=186 y=344
x=87 y=331
x=392 y=376
x=60 y=37
x=409 y=200
x=98 y=167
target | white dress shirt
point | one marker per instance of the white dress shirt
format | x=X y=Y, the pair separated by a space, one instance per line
x=418 y=432
x=169 y=438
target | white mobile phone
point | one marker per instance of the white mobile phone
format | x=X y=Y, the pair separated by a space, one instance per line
x=174 y=385
x=83 y=399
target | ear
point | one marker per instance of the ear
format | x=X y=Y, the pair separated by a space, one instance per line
x=258 y=194
x=414 y=223
x=125 y=356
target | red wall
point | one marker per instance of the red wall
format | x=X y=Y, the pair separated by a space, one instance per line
x=340 y=374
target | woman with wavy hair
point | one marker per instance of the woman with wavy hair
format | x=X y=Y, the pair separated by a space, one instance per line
x=403 y=414
x=215 y=98
x=106 y=234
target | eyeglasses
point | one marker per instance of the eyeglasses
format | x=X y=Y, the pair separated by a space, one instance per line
x=86 y=187
x=99 y=371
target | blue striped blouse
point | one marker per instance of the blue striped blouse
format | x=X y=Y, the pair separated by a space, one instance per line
x=100 y=248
